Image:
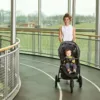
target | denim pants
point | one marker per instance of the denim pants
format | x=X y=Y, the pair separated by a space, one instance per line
x=70 y=66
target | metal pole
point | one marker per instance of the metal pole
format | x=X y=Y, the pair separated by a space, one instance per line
x=89 y=51
x=0 y=42
x=69 y=6
x=33 y=42
x=39 y=13
x=73 y=12
x=39 y=25
x=51 y=44
x=17 y=56
x=97 y=53
x=13 y=21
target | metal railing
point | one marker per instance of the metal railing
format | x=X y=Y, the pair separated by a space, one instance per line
x=9 y=71
x=45 y=42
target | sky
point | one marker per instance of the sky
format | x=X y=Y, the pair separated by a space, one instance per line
x=50 y=7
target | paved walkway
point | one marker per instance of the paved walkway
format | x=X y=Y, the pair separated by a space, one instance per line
x=37 y=74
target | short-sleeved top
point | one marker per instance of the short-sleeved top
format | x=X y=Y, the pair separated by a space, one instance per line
x=67 y=32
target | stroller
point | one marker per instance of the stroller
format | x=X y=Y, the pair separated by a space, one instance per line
x=63 y=74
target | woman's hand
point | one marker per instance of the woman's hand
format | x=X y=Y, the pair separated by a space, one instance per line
x=60 y=35
x=74 y=34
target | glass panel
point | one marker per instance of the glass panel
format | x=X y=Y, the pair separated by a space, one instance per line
x=27 y=17
x=52 y=13
x=45 y=44
x=5 y=21
x=27 y=14
x=5 y=13
x=85 y=14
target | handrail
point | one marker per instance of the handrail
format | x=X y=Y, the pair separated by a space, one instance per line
x=7 y=53
x=46 y=29
x=9 y=47
x=4 y=35
x=52 y=31
x=96 y=36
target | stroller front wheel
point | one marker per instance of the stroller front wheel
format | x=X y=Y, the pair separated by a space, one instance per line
x=56 y=80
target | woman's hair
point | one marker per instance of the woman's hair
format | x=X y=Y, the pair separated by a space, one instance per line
x=67 y=15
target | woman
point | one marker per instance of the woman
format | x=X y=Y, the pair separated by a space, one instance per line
x=67 y=32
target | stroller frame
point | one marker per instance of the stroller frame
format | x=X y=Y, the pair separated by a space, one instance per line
x=62 y=74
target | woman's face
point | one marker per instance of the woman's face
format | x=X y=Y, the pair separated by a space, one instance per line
x=66 y=20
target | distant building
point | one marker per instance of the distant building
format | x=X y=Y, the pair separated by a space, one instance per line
x=28 y=25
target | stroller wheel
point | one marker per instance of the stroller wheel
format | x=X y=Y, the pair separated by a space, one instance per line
x=56 y=80
x=80 y=81
x=71 y=85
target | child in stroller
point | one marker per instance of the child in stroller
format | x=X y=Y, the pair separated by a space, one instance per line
x=63 y=74
x=69 y=61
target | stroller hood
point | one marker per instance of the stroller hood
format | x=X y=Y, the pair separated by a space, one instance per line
x=68 y=45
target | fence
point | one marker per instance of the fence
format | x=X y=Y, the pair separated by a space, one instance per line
x=44 y=42
x=9 y=69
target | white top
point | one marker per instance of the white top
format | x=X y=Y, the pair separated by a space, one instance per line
x=67 y=32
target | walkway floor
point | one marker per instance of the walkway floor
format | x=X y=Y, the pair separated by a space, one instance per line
x=37 y=74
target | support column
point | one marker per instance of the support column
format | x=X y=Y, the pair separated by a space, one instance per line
x=73 y=12
x=97 y=43
x=39 y=13
x=39 y=25
x=13 y=21
x=69 y=6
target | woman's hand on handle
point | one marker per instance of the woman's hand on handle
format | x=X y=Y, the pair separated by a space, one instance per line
x=60 y=34
x=74 y=34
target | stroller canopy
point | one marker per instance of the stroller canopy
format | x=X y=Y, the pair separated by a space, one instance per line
x=68 y=45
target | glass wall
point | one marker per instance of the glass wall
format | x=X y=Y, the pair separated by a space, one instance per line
x=27 y=17
x=5 y=13
x=52 y=13
x=27 y=13
x=5 y=21
x=85 y=13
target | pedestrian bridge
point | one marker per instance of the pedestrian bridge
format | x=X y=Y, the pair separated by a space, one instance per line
x=30 y=75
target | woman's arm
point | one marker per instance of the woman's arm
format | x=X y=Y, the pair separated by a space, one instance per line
x=60 y=34
x=74 y=34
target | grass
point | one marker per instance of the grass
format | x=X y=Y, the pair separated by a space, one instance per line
x=81 y=25
x=86 y=25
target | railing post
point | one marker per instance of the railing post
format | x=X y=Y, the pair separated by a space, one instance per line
x=12 y=69
x=89 y=51
x=17 y=56
x=0 y=41
x=0 y=44
x=39 y=43
x=33 y=43
x=99 y=52
x=51 y=44
x=6 y=75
